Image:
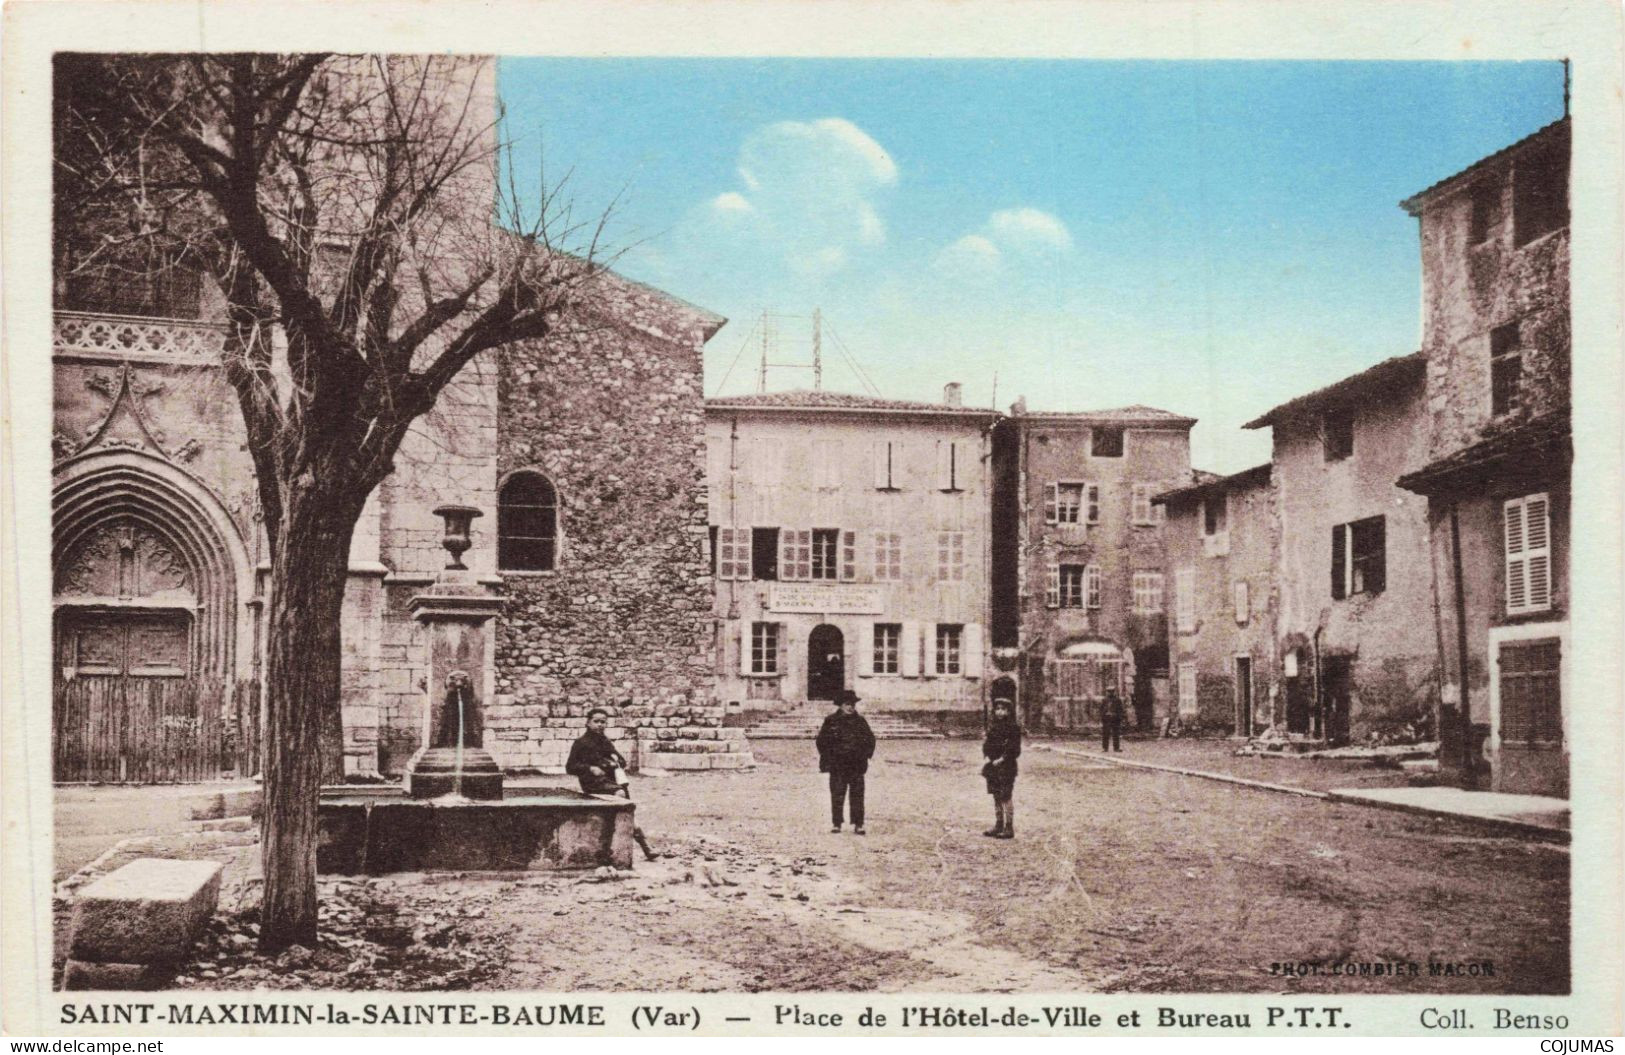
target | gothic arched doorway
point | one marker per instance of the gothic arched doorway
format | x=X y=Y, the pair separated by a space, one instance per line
x=826 y=662
x=147 y=576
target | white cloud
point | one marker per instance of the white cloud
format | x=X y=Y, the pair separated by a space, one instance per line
x=730 y=202
x=1029 y=229
x=808 y=194
x=972 y=256
x=1008 y=236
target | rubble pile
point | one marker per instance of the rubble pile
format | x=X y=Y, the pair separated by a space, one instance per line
x=373 y=934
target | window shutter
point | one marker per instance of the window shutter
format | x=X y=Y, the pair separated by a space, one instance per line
x=1243 y=603
x=928 y=651
x=780 y=637
x=1091 y=586
x=1376 y=569
x=1051 y=500
x=1052 y=585
x=970 y=651
x=1091 y=499
x=849 y=555
x=1339 y=562
x=909 y=658
x=945 y=465
x=1528 y=554
x=866 y=649
x=743 y=638
x=882 y=459
x=1538 y=551
x=787 y=553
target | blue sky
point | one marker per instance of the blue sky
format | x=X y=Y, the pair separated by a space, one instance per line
x=1212 y=238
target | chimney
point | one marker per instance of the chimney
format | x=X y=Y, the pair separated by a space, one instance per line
x=951 y=395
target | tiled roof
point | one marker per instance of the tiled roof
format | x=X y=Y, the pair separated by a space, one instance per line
x=1257 y=476
x=810 y=399
x=1549 y=433
x=1138 y=414
x=1413 y=204
x=1390 y=373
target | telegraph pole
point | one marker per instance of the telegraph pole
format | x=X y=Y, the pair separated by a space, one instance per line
x=818 y=351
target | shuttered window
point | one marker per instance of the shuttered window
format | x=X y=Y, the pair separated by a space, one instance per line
x=950 y=556
x=1091 y=586
x=1528 y=554
x=764 y=648
x=1147 y=591
x=1359 y=558
x=825 y=553
x=1187 y=690
x=888 y=556
x=948 y=650
x=733 y=553
x=888 y=465
x=1185 y=599
x=1071 y=585
x=795 y=554
x=1530 y=684
x=888 y=647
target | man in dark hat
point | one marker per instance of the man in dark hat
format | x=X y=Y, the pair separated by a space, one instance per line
x=1111 y=722
x=845 y=745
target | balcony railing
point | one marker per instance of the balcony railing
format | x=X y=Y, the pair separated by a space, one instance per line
x=136 y=337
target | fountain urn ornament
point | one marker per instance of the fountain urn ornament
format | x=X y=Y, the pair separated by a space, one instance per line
x=459 y=532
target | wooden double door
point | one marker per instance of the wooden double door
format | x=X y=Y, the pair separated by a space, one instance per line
x=127 y=705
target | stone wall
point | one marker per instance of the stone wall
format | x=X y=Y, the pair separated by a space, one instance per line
x=611 y=411
x=1383 y=635
x=1470 y=289
x=1217 y=637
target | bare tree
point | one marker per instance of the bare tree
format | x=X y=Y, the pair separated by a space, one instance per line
x=344 y=207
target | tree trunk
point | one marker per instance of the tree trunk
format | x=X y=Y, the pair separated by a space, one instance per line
x=302 y=686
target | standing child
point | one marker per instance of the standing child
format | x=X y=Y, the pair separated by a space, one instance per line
x=1001 y=749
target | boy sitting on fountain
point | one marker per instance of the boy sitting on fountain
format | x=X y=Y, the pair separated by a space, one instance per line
x=594 y=760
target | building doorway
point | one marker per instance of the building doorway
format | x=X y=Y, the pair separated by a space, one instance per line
x=1337 y=684
x=1297 y=695
x=1150 y=666
x=826 y=662
x=1244 y=696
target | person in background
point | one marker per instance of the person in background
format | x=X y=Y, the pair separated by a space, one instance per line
x=845 y=745
x=1111 y=722
x=1001 y=749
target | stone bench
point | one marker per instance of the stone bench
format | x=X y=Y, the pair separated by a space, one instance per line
x=132 y=926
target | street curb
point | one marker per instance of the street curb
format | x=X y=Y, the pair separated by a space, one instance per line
x=1544 y=832
x=1221 y=777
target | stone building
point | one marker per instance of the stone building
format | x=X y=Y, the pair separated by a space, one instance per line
x=1351 y=585
x=585 y=451
x=1496 y=330
x=850 y=545
x=1221 y=537
x=594 y=535
x=1079 y=575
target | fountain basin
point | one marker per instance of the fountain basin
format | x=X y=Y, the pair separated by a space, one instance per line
x=541 y=830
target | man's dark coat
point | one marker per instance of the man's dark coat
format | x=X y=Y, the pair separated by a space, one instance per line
x=845 y=744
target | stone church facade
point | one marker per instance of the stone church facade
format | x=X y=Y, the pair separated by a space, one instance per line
x=585 y=452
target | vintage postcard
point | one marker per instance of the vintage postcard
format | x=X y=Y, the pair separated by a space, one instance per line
x=1071 y=519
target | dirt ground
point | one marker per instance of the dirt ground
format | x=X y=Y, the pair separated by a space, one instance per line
x=1119 y=880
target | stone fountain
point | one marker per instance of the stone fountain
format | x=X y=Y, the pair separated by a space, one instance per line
x=451 y=813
